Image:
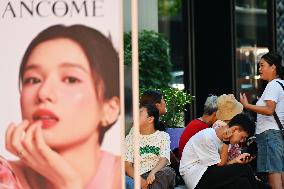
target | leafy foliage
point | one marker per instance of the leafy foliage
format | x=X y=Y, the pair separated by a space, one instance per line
x=154 y=58
x=176 y=100
x=169 y=7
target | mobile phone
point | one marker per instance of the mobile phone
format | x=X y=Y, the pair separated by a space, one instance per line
x=247 y=157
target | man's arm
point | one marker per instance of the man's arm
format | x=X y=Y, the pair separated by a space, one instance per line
x=129 y=169
x=161 y=163
x=242 y=159
x=223 y=155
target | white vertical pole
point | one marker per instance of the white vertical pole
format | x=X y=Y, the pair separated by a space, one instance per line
x=121 y=85
x=135 y=91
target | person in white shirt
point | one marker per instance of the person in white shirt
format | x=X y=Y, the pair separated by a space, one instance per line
x=270 y=143
x=201 y=164
x=154 y=148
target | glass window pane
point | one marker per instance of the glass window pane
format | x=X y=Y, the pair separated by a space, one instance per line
x=170 y=22
x=251 y=44
x=280 y=26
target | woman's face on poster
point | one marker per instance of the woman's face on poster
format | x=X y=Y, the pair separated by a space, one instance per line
x=58 y=90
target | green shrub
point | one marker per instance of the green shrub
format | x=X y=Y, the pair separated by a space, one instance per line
x=169 y=7
x=154 y=58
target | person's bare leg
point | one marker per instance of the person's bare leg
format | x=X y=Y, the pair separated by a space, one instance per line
x=275 y=181
x=282 y=178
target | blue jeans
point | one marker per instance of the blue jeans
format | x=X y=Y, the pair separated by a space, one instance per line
x=270 y=156
x=129 y=182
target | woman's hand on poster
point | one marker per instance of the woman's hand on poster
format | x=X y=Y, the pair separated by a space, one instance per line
x=243 y=99
x=26 y=141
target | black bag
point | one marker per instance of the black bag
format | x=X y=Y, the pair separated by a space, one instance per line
x=250 y=146
x=277 y=118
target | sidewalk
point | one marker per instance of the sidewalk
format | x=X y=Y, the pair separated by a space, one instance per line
x=181 y=187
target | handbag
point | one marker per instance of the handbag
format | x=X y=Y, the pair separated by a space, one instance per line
x=276 y=116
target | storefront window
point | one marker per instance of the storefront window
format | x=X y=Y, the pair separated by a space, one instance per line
x=170 y=23
x=251 y=44
x=280 y=26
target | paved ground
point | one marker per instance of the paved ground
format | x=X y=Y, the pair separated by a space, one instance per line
x=180 y=187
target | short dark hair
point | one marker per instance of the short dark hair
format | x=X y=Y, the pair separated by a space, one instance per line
x=274 y=58
x=154 y=112
x=151 y=97
x=244 y=122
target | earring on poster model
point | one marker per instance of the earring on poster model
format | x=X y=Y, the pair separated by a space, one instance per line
x=105 y=122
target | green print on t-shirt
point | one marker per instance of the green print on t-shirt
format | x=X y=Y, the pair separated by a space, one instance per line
x=149 y=150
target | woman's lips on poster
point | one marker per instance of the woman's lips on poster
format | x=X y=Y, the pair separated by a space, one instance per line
x=47 y=117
